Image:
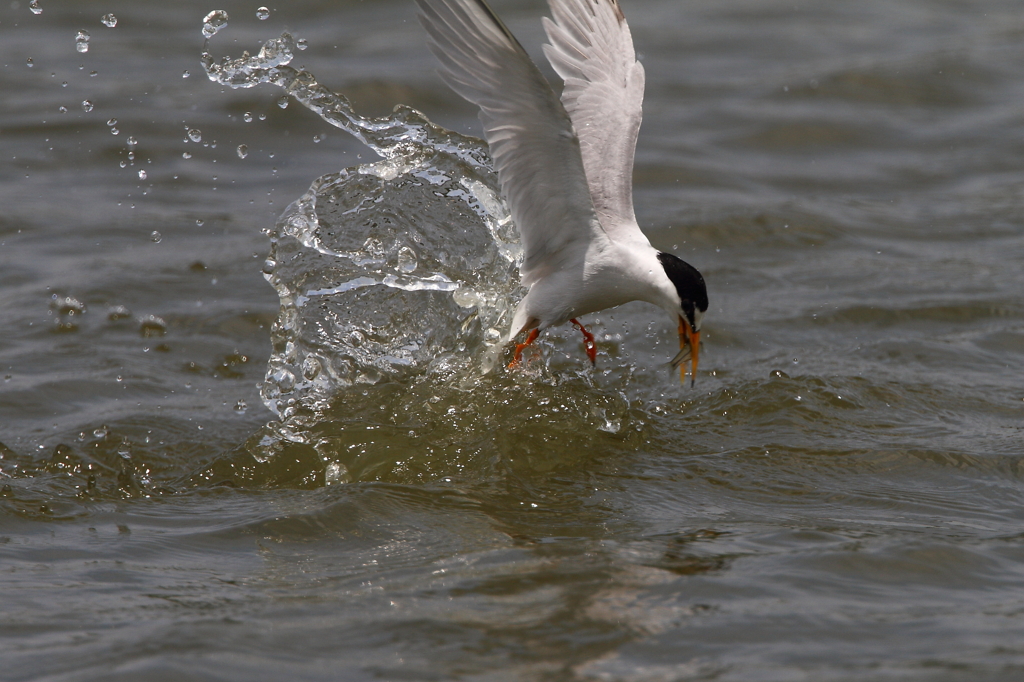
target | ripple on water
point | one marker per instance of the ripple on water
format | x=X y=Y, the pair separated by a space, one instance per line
x=946 y=80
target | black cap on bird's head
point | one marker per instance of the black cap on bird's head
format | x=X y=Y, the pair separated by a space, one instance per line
x=693 y=303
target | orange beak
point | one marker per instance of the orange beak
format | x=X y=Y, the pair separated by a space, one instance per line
x=689 y=349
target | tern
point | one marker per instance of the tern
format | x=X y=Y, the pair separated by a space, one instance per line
x=565 y=167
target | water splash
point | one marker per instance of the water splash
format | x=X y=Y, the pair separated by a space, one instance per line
x=214 y=22
x=402 y=235
x=396 y=280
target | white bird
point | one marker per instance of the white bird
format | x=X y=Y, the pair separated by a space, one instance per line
x=566 y=167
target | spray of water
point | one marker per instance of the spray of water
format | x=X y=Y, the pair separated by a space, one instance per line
x=396 y=280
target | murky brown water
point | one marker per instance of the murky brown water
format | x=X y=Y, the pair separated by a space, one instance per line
x=840 y=498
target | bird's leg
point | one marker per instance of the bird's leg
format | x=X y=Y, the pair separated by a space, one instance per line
x=588 y=341
x=518 y=355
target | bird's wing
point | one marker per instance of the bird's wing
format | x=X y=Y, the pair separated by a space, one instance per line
x=592 y=50
x=533 y=145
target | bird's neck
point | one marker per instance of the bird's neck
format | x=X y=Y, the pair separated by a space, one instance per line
x=632 y=272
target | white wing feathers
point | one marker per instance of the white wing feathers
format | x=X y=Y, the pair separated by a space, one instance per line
x=592 y=50
x=532 y=141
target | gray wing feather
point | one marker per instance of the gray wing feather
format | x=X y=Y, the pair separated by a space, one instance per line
x=533 y=144
x=592 y=50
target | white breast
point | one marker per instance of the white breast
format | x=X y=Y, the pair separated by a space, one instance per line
x=608 y=274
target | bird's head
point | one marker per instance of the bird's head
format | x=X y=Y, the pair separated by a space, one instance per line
x=691 y=305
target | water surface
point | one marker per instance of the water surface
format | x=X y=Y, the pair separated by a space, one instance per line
x=839 y=498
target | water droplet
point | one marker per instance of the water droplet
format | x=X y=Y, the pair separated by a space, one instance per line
x=82 y=41
x=124 y=164
x=263 y=117
x=92 y=74
x=142 y=175
x=214 y=22
x=154 y=236
x=34 y=6
x=195 y=135
x=318 y=138
x=111 y=122
x=109 y=20
x=283 y=102
x=151 y=325
x=29 y=63
x=185 y=74
x=466 y=297
x=241 y=406
x=310 y=368
x=118 y=312
x=87 y=105
x=114 y=131
x=62 y=110
x=132 y=141
x=243 y=151
x=200 y=222
x=284 y=379
x=247 y=117
x=67 y=305
x=263 y=14
x=406 y=259
x=269 y=265
x=64 y=84
x=186 y=155
x=100 y=433
x=302 y=43
x=336 y=472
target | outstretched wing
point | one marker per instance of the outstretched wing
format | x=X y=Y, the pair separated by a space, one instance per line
x=592 y=50
x=533 y=145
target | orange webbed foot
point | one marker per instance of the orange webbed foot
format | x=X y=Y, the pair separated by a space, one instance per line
x=518 y=354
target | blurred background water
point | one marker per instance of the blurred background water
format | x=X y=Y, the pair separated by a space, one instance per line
x=839 y=498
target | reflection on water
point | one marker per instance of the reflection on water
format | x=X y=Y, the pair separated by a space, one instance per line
x=838 y=499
